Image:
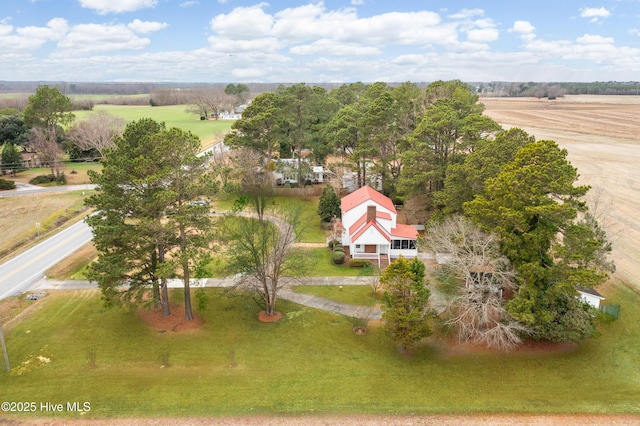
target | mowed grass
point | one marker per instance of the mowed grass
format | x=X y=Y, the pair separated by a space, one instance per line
x=209 y=131
x=360 y=295
x=308 y=363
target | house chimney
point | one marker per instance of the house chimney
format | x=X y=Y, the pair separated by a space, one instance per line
x=371 y=213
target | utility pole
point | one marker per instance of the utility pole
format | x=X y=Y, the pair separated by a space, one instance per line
x=4 y=350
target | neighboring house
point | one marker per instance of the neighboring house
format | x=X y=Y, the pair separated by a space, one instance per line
x=370 y=230
x=287 y=172
x=590 y=296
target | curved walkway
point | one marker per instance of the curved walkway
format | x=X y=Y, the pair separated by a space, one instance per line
x=366 y=312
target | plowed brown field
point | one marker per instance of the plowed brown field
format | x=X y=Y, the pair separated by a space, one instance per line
x=602 y=137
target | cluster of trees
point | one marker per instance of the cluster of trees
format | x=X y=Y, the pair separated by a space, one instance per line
x=434 y=150
x=149 y=226
x=153 y=223
x=47 y=127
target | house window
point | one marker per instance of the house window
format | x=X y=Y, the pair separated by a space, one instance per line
x=403 y=244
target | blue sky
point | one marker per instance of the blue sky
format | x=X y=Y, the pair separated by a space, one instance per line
x=319 y=41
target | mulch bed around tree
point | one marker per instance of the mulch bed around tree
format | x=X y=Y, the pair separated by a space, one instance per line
x=263 y=317
x=174 y=322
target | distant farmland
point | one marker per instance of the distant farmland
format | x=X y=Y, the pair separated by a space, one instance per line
x=209 y=131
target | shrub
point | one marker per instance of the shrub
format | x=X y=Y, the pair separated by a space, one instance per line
x=338 y=247
x=333 y=244
x=338 y=257
x=359 y=263
x=7 y=184
x=42 y=179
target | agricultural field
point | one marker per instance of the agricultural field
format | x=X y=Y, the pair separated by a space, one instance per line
x=209 y=131
x=602 y=137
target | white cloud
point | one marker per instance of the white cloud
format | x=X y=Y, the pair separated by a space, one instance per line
x=104 y=7
x=467 y=13
x=524 y=29
x=594 y=13
x=357 y=2
x=331 y=47
x=25 y=40
x=482 y=35
x=243 y=23
x=594 y=39
x=190 y=3
x=145 y=27
x=93 y=38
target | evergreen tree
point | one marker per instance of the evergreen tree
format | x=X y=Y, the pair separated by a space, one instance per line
x=11 y=158
x=406 y=298
x=329 y=204
x=148 y=228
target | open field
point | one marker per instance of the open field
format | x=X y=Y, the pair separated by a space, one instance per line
x=309 y=363
x=20 y=214
x=602 y=136
x=209 y=131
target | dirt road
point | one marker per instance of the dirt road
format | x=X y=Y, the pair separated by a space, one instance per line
x=602 y=136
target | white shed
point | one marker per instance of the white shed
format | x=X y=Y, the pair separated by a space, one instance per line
x=590 y=296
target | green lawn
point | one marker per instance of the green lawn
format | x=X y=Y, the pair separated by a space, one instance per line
x=308 y=363
x=352 y=294
x=174 y=116
x=320 y=265
x=317 y=263
x=312 y=231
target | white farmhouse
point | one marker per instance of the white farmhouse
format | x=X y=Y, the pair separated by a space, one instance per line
x=370 y=230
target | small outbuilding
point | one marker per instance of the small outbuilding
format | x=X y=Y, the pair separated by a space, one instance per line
x=590 y=296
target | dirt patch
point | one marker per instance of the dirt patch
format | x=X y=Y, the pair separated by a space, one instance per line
x=263 y=317
x=175 y=322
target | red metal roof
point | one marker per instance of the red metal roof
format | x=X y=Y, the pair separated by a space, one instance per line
x=404 y=231
x=364 y=194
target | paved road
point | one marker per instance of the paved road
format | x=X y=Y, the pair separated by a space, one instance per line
x=25 y=189
x=18 y=274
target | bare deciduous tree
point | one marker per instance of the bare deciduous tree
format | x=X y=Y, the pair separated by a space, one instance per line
x=48 y=149
x=221 y=165
x=208 y=101
x=97 y=132
x=476 y=310
x=261 y=253
x=256 y=179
